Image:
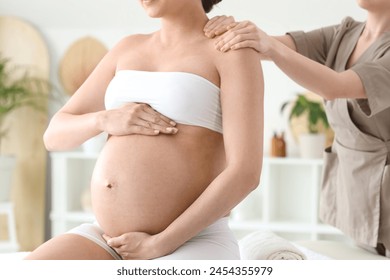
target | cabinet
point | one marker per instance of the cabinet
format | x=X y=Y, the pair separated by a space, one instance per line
x=8 y=238
x=70 y=178
x=286 y=201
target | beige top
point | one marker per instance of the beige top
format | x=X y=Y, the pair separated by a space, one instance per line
x=332 y=46
x=355 y=194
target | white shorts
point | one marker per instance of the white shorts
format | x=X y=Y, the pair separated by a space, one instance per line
x=216 y=242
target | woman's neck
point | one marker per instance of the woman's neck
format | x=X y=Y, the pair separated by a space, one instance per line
x=183 y=27
x=377 y=24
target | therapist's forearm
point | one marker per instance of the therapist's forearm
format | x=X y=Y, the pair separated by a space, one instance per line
x=304 y=71
x=285 y=40
x=314 y=76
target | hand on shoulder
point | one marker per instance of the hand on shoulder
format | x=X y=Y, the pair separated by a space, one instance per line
x=232 y=35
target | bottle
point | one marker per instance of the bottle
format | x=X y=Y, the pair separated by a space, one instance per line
x=278 y=145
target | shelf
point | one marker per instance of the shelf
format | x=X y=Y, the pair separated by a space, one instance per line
x=287 y=226
x=292 y=161
x=8 y=247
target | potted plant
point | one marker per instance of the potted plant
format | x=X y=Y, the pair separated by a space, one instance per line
x=18 y=88
x=312 y=117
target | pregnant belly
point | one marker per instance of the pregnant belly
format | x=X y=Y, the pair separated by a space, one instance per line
x=142 y=183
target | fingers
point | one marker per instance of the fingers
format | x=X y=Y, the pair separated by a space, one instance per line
x=212 y=23
x=218 y=25
x=238 y=42
x=106 y=237
x=141 y=130
x=114 y=242
x=123 y=252
x=144 y=126
x=246 y=44
x=158 y=118
x=243 y=35
x=239 y=28
x=125 y=245
x=152 y=120
x=146 y=121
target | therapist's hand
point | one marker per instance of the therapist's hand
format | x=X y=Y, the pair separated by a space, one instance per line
x=218 y=25
x=136 y=118
x=238 y=35
x=136 y=246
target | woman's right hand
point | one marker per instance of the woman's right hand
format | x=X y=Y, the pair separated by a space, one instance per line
x=136 y=118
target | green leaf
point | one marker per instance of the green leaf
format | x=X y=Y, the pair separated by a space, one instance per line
x=315 y=112
x=18 y=88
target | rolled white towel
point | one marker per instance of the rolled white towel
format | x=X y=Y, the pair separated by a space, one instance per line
x=265 y=245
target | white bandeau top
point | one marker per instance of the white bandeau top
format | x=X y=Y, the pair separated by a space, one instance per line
x=183 y=97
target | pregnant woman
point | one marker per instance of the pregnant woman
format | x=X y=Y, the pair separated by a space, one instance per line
x=164 y=186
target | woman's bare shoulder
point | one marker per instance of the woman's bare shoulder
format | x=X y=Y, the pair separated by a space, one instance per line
x=231 y=58
x=131 y=42
x=238 y=57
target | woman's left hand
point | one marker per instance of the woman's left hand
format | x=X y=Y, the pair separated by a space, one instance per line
x=135 y=245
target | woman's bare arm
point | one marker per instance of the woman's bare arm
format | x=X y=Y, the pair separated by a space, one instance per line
x=242 y=91
x=242 y=106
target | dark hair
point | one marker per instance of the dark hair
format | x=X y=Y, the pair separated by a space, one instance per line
x=209 y=4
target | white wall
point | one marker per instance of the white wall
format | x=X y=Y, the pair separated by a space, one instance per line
x=64 y=21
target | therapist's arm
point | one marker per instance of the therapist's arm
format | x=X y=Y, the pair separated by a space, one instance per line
x=315 y=76
x=283 y=52
x=234 y=35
